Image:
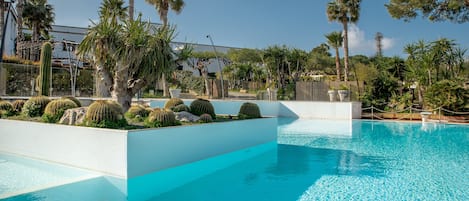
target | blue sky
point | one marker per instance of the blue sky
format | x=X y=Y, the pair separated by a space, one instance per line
x=262 y=23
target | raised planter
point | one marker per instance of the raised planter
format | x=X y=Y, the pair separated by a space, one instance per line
x=332 y=95
x=128 y=154
x=343 y=95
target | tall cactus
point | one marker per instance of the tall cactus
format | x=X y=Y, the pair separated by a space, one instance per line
x=45 y=69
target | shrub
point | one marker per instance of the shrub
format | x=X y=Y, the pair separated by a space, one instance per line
x=447 y=94
x=181 y=107
x=138 y=112
x=35 y=106
x=173 y=102
x=75 y=100
x=18 y=106
x=249 y=110
x=161 y=118
x=201 y=106
x=105 y=114
x=56 y=108
x=205 y=118
x=6 y=108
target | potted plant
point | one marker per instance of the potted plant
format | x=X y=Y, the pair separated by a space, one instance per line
x=332 y=94
x=343 y=92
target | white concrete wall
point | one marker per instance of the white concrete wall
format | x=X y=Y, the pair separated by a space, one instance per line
x=157 y=149
x=102 y=150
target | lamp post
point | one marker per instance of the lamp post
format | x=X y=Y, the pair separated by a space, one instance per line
x=219 y=67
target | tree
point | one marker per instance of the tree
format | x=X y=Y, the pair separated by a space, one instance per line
x=131 y=9
x=38 y=16
x=128 y=54
x=435 y=10
x=344 y=12
x=19 y=22
x=335 y=40
x=163 y=6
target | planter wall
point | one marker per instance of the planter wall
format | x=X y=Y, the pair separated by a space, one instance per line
x=128 y=154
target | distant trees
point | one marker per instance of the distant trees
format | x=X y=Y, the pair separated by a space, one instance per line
x=435 y=10
x=335 y=40
x=39 y=16
x=344 y=12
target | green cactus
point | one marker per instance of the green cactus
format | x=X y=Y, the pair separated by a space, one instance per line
x=45 y=69
x=249 y=110
x=18 y=106
x=35 y=106
x=6 y=108
x=201 y=106
x=173 y=102
x=75 y=100
x=138 y=112
x=161 y=118
x=181 y=107
x=105 y=114
x=56 y=108
x=205 y=118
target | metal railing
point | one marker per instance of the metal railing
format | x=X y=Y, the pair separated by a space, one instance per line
x=435 y=115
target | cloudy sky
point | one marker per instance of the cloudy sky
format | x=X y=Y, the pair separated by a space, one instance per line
x=261 y=23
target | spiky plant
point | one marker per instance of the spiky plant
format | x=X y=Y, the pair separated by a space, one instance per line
x=173 y=102
x=181 y=107
x=75 y=100
x=138 y=112
x=6 y=108
x=201 y=106
x=205 y=118
x=56 y=108
x=105 y=114
x=35 y=106
x=161 y=118
x=18 y=106
x=249 y=110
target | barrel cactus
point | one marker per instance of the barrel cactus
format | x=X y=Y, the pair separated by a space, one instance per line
x=6 y=108
x=138 y=112
x=161 y=118
x=201 y=106
x=75 y=100
x=56 y=108
x=249 y=110
x=45 y=69
x=173 y=102
x=205 y=118
x=105 y=114
x=18 y=106
x=181 y=107
x=35 y=106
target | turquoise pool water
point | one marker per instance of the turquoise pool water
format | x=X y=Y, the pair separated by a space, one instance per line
x=314 y=160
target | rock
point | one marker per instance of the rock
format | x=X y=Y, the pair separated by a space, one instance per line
x=186 y=117
x=73 y=116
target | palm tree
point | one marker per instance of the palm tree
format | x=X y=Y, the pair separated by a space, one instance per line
x=344 y=11
x=163 y=6
x=19 y=22
x=335 y=40
x=38 y=16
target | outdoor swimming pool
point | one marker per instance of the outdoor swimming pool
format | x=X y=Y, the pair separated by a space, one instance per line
x=359 y=160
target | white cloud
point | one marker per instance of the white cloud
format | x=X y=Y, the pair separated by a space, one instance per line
x=359 y=44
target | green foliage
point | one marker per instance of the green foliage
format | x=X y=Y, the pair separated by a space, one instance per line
x=201 y=106
x=105 y=114
x=205 y=118
x=138 y=112
x=400 y=102
x=173 y=102
x=442 y=10
x=18 y=106
x=447 y=94
x=161 y=118
x=75 y=100
x=45 y=69
x=181 y=107
x=249 y=110
x=35 y=106
x=6 y=108
x=56 y=108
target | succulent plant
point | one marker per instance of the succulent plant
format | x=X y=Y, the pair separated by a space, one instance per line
x=181 y=107
x=6 y=108
x=45 y=69
x=201 y=106
x=56 y=108
x=161 y=118
x=173 y=102
x=249 y=110
x=35 y=106
x=75 y=100
x=105 y=114
x=205 y=118
x=18 y=106
x=137 y=111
